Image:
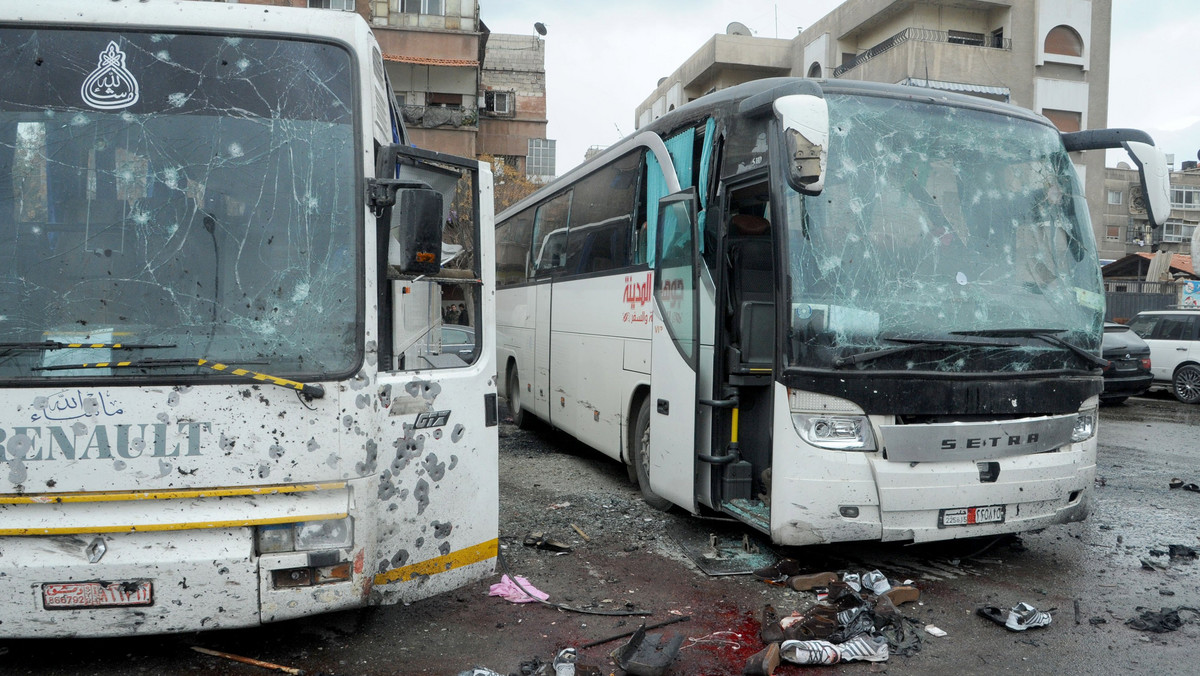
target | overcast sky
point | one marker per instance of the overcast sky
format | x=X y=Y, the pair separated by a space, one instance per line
x=603 y=59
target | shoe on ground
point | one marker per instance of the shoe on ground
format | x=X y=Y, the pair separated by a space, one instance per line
x=902 y=594
x=763 y=662
x=864 y=647
x=853 y=581
x=809 y=652
x=770 y=631
x=811 y=581
x=1024 y=616
x=876 y=582
x=778 y=571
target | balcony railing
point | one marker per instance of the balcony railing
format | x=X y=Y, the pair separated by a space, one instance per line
x=428 y=117
x=925 y=35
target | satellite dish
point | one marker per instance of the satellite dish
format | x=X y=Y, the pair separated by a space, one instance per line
x=737 y=28
x=1123 y=165
x=540 y=28
x=660 y=81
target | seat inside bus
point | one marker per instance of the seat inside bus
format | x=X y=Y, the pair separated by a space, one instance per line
x=751 y=288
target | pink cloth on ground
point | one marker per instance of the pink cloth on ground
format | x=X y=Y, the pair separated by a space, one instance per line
x=507 y=589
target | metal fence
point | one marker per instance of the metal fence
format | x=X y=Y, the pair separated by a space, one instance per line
x=1126 y=298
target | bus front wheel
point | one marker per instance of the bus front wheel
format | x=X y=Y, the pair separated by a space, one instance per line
x=521 y=417
x=641 y=458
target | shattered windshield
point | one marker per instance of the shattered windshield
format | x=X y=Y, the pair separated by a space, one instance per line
x=946 y=239
x=190 y=193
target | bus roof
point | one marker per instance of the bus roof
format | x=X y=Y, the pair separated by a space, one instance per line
x=729 y=99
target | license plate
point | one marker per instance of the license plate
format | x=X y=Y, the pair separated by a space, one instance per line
x=970 y=516
x=67 y=595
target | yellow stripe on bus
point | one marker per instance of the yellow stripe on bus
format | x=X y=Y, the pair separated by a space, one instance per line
x=51 y=498
x=152 y=527
x=463 y=557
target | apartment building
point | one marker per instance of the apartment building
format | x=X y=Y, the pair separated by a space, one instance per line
x=1050 y=56
x=462 y=89
x=1126 y=224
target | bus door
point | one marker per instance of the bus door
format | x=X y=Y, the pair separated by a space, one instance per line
x=675 y=348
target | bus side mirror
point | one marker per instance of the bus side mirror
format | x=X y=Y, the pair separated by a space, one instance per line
x=1156 y=183
x=804 y=119
x=416 y=230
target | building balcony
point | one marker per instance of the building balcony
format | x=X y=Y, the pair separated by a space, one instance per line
x=925 y=35
x=430 y=117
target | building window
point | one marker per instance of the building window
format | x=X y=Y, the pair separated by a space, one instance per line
x=1065 y=41
x=1175 y=230
x=437 y=99
x=814 y=70
x=498 y=102
x=964 y=38
x=344 y=5
x=436 y=7
x=1065 y=120
x=540 y=161
x=1115 y=196
x=996 y=38
x=402 y=99
x=1185 y=197
x=1113 y=233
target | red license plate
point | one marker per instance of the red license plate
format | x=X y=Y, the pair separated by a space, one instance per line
x=970 y=516
x=67 y=595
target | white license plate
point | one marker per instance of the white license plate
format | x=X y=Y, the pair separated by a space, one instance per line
x=969 y=516
x=67 y=595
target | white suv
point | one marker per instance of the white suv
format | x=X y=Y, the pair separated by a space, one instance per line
x=1174 y=340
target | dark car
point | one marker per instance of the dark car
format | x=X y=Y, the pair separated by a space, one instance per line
x=1128 y=371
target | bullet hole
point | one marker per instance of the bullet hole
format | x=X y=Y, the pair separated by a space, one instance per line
x=421 y=493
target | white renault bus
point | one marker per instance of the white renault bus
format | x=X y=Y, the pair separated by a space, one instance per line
x=224 y=398
x=832 y=310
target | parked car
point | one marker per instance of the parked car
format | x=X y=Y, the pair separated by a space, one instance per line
x=1174 y=340
x=1128 y=372
x=459 y=341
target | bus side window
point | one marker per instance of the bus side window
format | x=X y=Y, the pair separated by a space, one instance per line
x=550 y=234
x=603 y=202
x=512 y=249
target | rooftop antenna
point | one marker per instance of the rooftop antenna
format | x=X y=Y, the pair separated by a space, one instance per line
x=540 y=28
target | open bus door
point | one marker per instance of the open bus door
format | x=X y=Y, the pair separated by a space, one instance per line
x=675 y=349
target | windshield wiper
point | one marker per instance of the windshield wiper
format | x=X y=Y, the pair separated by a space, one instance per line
x=912 y=343
x=5 y=348
x=314 y=391
x=1047 y=335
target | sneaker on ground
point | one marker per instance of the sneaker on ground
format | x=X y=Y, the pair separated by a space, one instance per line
x=864 y=647
x=876 y=581
x=809 y=652
x=853 y=580
x=1024 y=616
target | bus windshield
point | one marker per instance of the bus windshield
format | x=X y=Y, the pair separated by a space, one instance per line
x=946 y=239
x=191 y=193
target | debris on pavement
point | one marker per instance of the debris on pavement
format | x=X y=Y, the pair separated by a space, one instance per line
x=517 y=590
x=1163 y=621
x=647 y=654
x=933 y=630
x=249 y=660
x=1018 y=618
x=540 y=541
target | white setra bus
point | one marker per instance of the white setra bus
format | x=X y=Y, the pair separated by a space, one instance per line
x=833 y=310
x=225 y=400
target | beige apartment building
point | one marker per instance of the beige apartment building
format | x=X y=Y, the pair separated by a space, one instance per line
x=1126 y=224
x=1050 y=56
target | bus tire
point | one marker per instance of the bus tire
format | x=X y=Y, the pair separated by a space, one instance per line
x=641 y=458
x=521 y=417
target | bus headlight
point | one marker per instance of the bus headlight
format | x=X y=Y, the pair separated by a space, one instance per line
x=306 y=536
x=1085 y=426
x=835 y=432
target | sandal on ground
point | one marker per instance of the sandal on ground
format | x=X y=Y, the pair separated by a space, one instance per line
x=1175 y=483
x=993 y=613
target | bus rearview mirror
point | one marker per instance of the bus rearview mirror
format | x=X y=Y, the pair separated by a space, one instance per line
x=416 y=229
x=1156 y=183
x=804 y=119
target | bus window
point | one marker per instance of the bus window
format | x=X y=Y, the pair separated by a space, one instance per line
x=512 y=249
x=550 y=235
x=601 y=221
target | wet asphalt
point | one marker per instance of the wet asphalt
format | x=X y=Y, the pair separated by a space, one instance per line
x=1094 y=576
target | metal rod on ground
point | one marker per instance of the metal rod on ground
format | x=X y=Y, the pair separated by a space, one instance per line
x=610 y=639
x=250 y=660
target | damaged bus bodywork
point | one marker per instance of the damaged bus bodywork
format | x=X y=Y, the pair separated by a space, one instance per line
x=225 y=401
x=833 y=310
